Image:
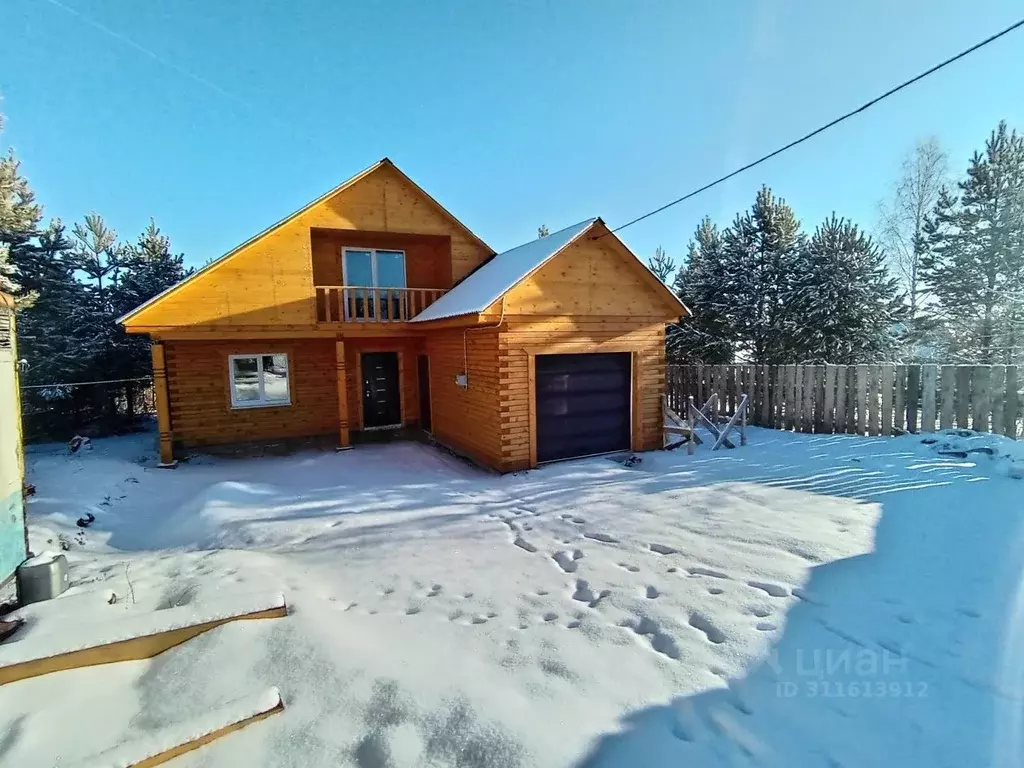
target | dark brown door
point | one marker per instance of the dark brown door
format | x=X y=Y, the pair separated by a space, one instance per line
x=583 y=404
x=423 y=367
x=382 y=406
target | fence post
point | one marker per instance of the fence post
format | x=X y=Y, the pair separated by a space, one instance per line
x=807 y=422
x=874 y=373
x=888 y=382
x=929 y=377
x=779 y=397
x=828 y=419
x=998 y=390
x=862 y=399
x=1012 y=405
x=841 y=395
x=764 y=385
x=948 y=386
x=982 y=400
x=913 y=396
x=963 y=396
x=900 y=400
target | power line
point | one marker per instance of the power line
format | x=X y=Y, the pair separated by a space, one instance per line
x=828 y=125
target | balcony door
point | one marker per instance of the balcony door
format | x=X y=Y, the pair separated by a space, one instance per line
x=367 y=272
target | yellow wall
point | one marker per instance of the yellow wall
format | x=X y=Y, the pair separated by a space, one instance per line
x=589 y=278
x=270 y=281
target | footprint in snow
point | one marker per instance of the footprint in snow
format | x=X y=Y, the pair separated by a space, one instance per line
x=774 y=590
x=604 y=538
x=629 y=567
x=435 y=590
x=651 y=592
x=663 y=549
x=524 y=544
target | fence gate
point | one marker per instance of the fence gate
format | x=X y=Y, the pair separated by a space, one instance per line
x=13 y=544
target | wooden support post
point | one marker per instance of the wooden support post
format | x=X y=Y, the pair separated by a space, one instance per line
x=163 y=406
x=344 y=440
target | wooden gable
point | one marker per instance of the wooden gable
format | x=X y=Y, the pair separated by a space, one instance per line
x=596 y=275
x=269 y=279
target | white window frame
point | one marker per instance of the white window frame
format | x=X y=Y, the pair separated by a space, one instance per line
x=373 y=266
x=263 y=402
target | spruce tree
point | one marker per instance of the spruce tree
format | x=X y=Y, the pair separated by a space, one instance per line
x=20 y=215
x=704 y=337
x=975 y=265
x=844 y=302
x=761 y=255
x=661 y=264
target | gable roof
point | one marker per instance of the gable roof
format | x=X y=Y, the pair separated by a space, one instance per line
x=384 y=162
x=496 y=277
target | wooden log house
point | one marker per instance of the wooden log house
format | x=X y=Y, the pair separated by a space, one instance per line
x=373 y=308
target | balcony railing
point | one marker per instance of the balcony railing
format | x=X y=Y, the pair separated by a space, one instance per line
x=362 y=304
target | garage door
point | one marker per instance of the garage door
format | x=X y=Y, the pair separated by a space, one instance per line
x=583 y=404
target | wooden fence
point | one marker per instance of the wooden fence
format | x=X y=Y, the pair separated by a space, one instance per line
x=881 y=399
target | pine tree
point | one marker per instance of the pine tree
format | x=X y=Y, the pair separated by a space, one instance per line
x=844 y=301
x=761 y=252
x=662 y=264
x=20 y=215
x=975 y=265
x=150 y=268
x=704 y=337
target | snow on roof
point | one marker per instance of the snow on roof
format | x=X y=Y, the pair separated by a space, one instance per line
x=492 y=280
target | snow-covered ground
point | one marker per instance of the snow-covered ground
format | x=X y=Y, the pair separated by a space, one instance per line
x=802 y=601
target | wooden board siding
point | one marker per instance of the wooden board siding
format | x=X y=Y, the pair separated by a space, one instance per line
x=428 y=261
x=199 y=388
x=407 y=349
x=589 y=278
x=270 y=281
x=466 y=420
x=525 y=337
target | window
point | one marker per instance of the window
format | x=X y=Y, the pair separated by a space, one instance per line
x=259 y=380
x=367 y=268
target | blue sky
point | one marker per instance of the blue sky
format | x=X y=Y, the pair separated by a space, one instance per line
x=218 y=118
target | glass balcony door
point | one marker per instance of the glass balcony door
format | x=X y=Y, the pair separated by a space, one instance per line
x=366 y=269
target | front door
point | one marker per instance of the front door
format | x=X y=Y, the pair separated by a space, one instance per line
x=382 y=406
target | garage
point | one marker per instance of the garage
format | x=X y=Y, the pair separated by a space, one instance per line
x=583 y=404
